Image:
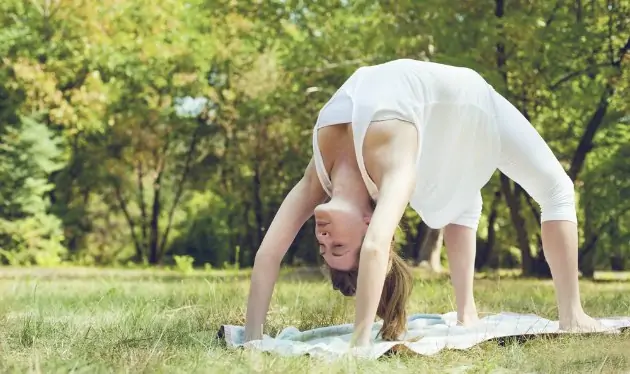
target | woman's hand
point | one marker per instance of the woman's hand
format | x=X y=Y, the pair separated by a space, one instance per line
x=361 y=338
x=296 y=208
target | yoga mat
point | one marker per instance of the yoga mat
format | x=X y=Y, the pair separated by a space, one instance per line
x=427 y=334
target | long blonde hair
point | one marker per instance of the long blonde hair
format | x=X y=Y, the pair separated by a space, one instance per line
x=396 y=292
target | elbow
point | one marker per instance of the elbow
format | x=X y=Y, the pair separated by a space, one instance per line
x=376 y=243
x=374 y=258
x=375 y=253
x=375 y=250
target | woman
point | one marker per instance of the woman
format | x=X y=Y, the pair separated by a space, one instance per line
x=430 y=135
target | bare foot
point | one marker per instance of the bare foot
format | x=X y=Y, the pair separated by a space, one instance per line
x=467 y=320
x=583 y=324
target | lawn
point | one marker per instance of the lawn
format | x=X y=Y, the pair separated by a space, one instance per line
x=97 y=321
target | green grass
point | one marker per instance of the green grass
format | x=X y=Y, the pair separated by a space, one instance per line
x=103 y=321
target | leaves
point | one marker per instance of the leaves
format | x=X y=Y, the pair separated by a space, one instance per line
x=147 y=129
x=28 y=233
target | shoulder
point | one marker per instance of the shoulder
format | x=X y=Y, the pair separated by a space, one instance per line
x=390 y=146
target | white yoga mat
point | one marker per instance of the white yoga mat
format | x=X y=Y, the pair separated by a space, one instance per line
x=427 y=334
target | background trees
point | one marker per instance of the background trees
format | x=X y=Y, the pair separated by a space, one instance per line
x=136 y=130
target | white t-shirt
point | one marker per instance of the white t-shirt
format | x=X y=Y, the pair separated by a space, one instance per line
x=452 y=109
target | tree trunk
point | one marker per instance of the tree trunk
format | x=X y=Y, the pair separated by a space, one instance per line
x=416 y=243
x=143 y=206
x=258 y=214
x=192 y=146
x=408 y=251
x=485 y=251
x=586 y=141
x=540 y=268
x=248 y=239
x=430 y=250
x=154 y=224
x=617 y=263
x=514 y=204
x=122 y=204
x=587 y=260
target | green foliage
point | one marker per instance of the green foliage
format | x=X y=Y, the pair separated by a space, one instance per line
x=177 y=128
x=29 y=234
x=184 y=264
x=204 y=233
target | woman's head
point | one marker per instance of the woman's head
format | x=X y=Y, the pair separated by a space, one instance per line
x=396 y=292
x=340 y=226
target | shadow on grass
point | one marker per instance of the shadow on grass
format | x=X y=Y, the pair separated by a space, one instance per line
x=506 y=341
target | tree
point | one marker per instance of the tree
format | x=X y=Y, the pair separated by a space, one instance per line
x=29 y=234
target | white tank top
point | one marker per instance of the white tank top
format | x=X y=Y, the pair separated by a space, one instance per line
x=452 y=109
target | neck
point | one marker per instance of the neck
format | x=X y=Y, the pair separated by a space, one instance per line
x=348 y=184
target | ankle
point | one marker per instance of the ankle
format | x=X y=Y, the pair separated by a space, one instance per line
x=467 y=315
x=467 y=320
x=570 y=312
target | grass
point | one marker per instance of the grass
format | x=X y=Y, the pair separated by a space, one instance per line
x=98 y=321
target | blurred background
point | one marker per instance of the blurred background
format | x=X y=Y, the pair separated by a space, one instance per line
x=148 y=133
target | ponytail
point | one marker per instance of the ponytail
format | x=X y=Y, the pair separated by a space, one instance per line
x=396 y=292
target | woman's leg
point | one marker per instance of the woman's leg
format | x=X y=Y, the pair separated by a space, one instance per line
x=527 y=159
x=460 y=238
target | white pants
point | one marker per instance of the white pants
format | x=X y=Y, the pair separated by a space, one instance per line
x=527 y=160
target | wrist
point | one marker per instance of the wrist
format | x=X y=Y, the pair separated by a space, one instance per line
x=256 y=335
x=361 y=337
x=360 y=342
x=253 y=332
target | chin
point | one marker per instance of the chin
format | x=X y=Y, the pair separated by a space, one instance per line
x=337 y=214
x=344 y=269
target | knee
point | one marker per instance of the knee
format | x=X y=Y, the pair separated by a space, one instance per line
x=566 y=188
x=558 y=201
x=560 y=190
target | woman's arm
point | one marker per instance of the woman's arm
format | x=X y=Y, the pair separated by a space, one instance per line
x=395 y=158
x=294 y=211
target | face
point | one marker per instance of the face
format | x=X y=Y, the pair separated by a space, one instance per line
x=339 y=229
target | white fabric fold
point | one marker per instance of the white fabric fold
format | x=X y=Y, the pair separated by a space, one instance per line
x=427 y=334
